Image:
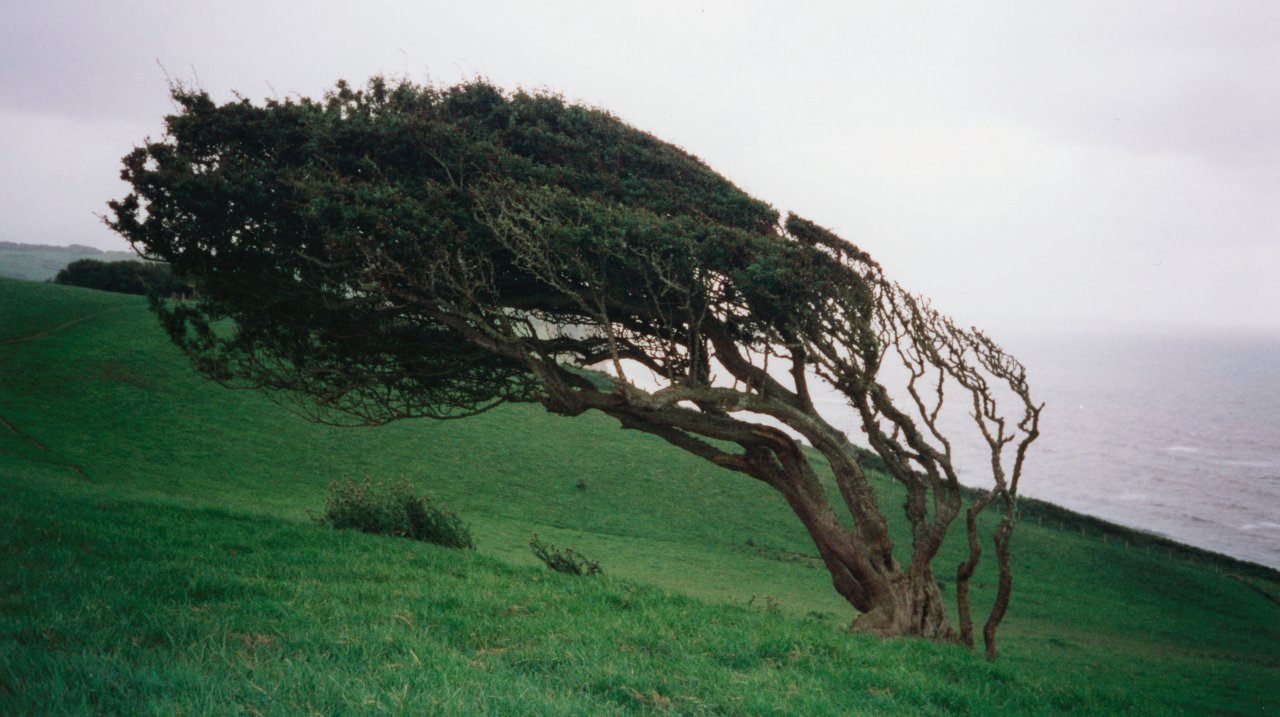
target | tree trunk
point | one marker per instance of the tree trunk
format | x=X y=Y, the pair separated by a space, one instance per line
x=911 y=607
x=966 y=569
x=1004 y=585
x=891 y=602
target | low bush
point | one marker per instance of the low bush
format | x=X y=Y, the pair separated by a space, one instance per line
x=392 y=508
x=566 y=561
x=124 y=277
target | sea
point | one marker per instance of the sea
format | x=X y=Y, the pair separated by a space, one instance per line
x=1173 y=432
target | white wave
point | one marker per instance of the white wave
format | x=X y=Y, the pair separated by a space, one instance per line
x=1246 y=464
x=1181 y=449
x=1261 y=525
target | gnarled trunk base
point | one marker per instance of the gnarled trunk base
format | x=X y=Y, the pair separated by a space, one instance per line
x=912 y=608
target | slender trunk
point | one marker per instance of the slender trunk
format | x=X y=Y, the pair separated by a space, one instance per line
x=965 y=570
x=1004 y=585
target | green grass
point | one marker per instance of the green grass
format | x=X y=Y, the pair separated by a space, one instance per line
x=157 y=556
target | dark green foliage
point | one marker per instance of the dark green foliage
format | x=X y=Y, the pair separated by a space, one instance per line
x=565 y=560
x=392 y=508
x=332 y=197
x=123 y=277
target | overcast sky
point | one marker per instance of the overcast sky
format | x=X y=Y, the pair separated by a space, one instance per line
x=1075 y=162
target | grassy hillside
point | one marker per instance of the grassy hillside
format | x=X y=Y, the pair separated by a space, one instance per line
x=156 y=556
x=41 y=262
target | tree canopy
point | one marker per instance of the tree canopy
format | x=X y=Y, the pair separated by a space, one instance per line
x=400 y=251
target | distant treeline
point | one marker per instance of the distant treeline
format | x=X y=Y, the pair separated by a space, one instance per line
x=69 y=248
x=124 y=277
x=41 y=262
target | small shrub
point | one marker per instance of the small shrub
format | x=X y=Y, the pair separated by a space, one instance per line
x=563 y=561
x=392 y=508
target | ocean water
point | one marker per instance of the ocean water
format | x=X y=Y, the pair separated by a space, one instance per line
x=1174 y=433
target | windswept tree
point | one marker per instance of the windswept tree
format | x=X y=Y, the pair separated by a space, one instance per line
x=403 y=251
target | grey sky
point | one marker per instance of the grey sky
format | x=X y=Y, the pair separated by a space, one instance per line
x=1077 y=162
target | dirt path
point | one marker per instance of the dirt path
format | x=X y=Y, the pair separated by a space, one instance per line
x=59 y=327
x=49 y=456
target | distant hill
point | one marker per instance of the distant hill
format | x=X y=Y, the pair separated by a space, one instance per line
x=41 y=262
